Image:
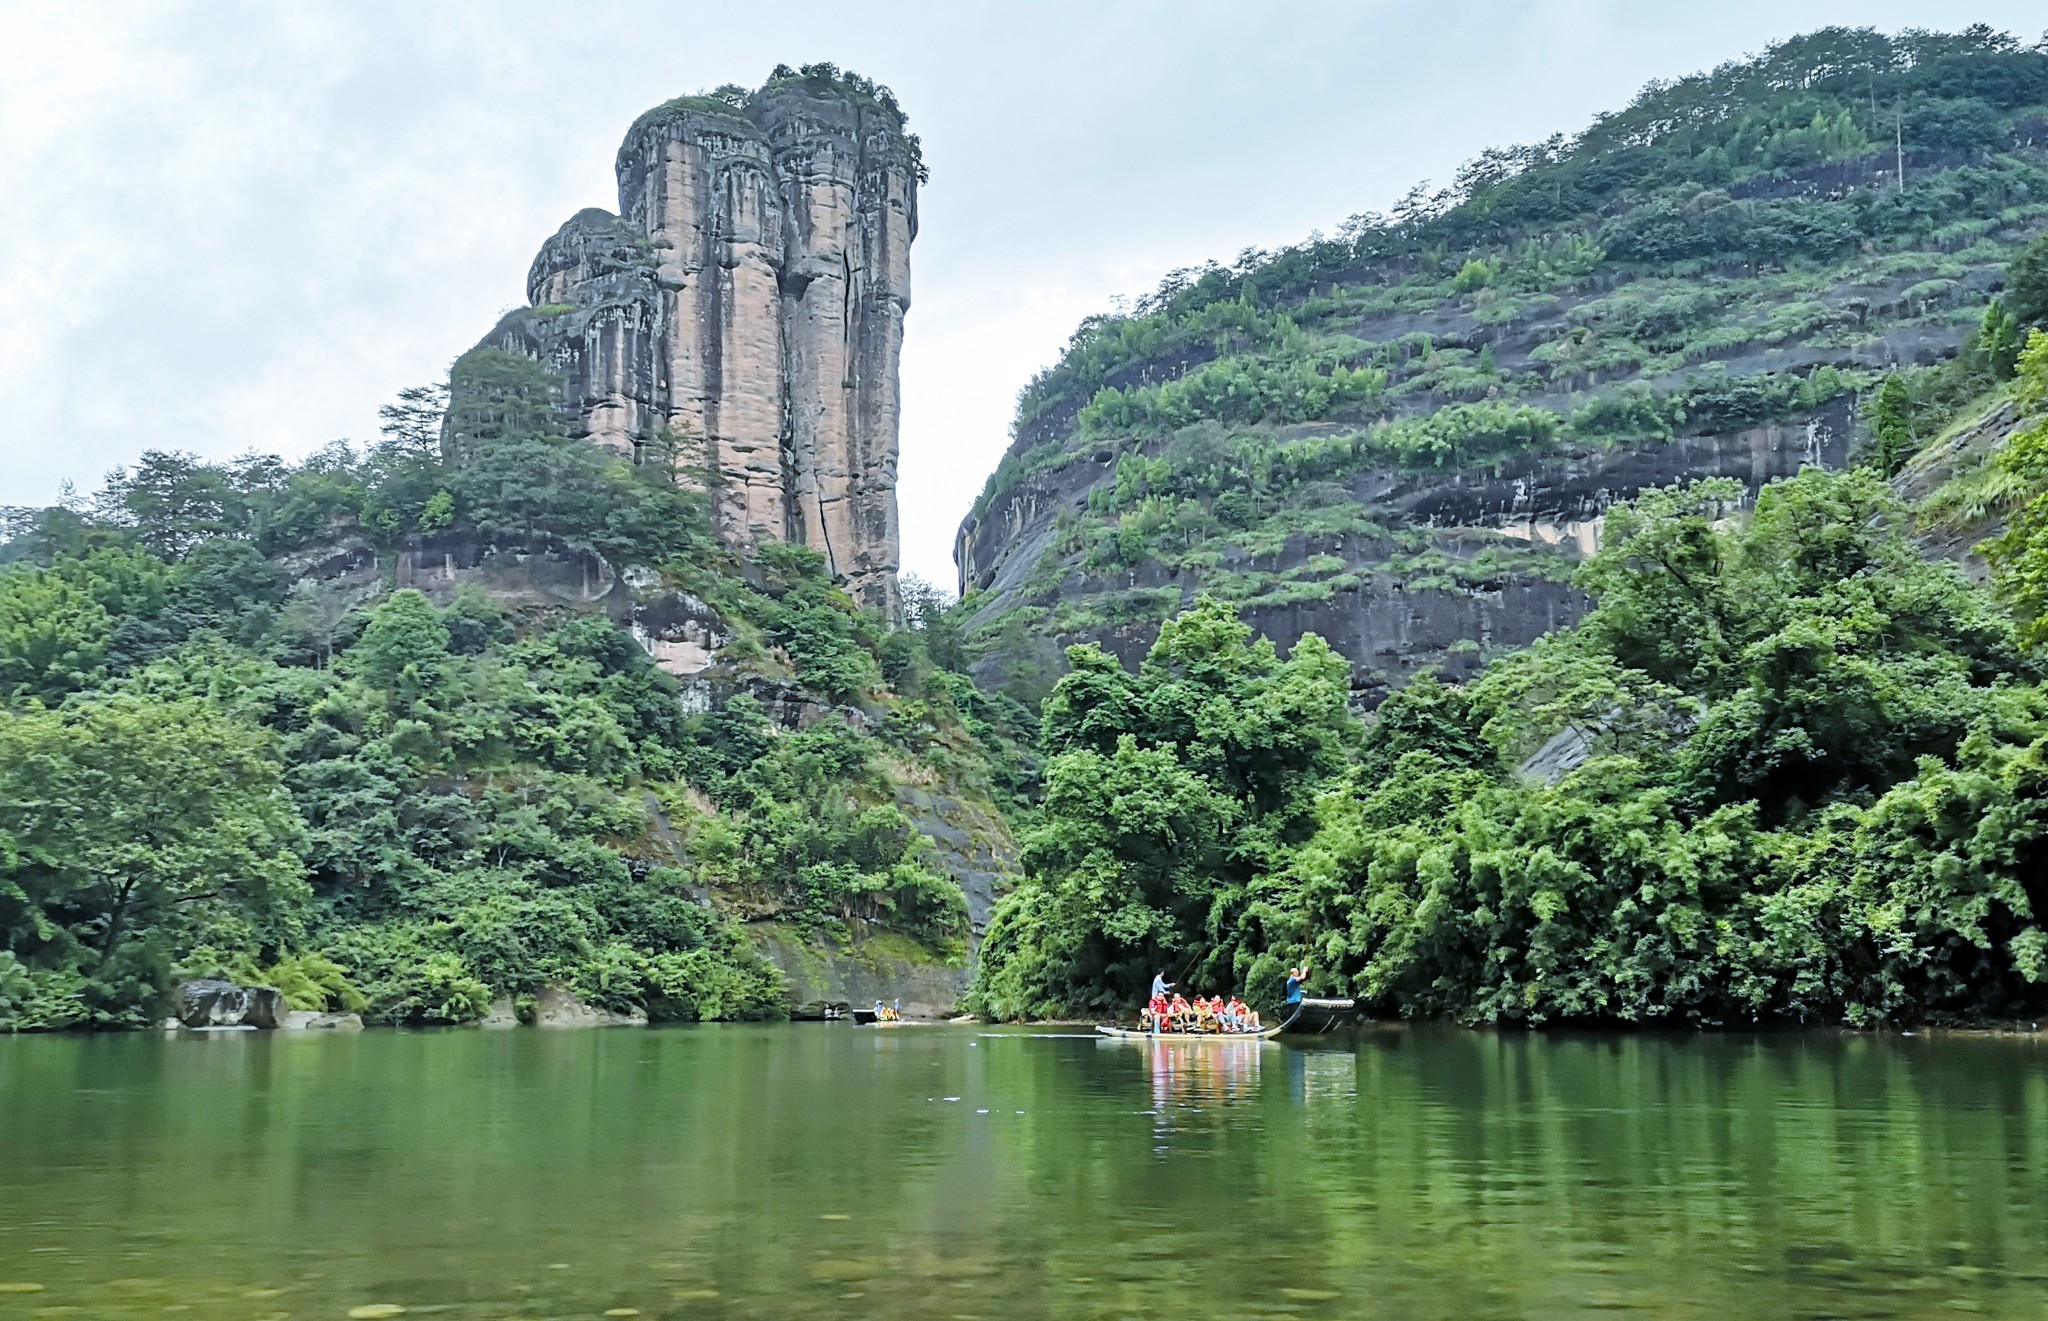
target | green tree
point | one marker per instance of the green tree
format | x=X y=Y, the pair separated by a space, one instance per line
x=1665 y=607
x=1999 y=338
x=173 y=502
x=414 y=422
x=130 y=827
x=2026 y=286
x=1891 y=425
x=1167 y=793
x=53 y=635
x=403 y=647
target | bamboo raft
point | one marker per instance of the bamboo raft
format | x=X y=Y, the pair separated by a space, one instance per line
x=1139 y=1034
x=1308 y=1017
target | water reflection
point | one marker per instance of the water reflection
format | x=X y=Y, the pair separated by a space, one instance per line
x=1190 y=1078
x=813 y=1171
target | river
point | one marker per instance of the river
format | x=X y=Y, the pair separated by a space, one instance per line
x=824 y=1170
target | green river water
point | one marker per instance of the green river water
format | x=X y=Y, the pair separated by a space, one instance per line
x=823 y=1170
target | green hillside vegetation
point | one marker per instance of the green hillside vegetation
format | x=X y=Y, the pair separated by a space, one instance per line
x=1790 y=767
x=407 y=810
x=1733 y=249
x=1788 y=770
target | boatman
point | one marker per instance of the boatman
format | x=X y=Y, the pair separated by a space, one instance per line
x=1160 y=986
x=1295 y=977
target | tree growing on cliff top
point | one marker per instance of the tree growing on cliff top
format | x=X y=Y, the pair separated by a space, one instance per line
x=415 y=422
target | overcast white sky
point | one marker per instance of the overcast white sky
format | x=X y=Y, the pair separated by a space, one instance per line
x=227 y=226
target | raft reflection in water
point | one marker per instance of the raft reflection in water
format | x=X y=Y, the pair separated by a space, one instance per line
x=1190 y=1075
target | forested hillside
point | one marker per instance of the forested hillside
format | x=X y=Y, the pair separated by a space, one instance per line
x=231 y=742
x=1610 y=589
x=1764 y=419
x=1402 y=435
x=1788 y=769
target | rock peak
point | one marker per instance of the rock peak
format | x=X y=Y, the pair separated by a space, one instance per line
x=744 y=309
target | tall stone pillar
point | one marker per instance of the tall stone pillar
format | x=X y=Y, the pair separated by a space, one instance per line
x=749 y=299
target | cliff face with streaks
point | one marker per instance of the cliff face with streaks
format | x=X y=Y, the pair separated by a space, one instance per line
x=1404 y=436
x=742 y=314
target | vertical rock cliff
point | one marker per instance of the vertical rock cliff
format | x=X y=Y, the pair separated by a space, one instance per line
x=742 y=314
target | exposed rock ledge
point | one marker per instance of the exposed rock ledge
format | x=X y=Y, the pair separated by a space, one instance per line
x=213 y=1003
x=555 y=1007
x=880 y=968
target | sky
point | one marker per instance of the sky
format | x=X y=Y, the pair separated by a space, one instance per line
x=231 y=226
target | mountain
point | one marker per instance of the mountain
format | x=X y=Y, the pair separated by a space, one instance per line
x=1405 y=437
x=587 y=692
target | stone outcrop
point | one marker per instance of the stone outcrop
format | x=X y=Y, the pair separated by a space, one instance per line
x=827 y=972
x=557 y=1007
x=310 y=1020
x=216 y=1002
x=1955 y=533
x=741 y=317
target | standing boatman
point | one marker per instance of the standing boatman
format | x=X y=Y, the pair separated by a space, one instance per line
x=1295 y=977
x=1160 y=986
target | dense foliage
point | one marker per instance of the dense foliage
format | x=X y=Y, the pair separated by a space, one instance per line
x=1787 y=770
x=376 y=803
x=1166 y=794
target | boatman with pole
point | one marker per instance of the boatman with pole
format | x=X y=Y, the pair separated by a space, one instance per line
x=1295 y=977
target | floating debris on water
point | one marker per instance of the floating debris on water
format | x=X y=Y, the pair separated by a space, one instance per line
x=370 y=1311
x=836 y=1271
